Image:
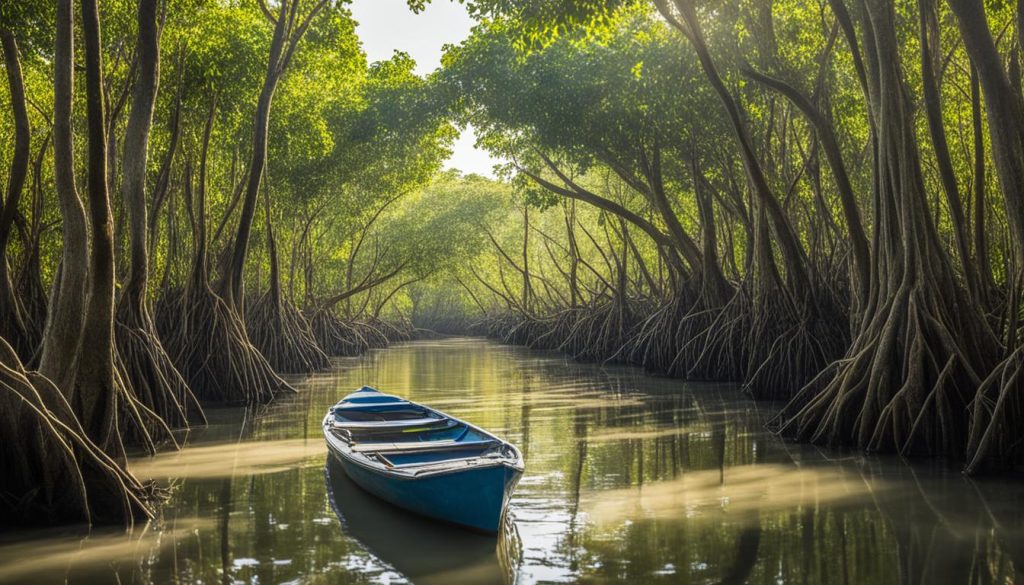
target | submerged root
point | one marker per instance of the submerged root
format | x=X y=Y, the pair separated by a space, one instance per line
x=51 y=473
x=210 y=347
x=284 y=336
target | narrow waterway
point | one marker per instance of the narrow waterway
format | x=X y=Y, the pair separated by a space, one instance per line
x=628 y=478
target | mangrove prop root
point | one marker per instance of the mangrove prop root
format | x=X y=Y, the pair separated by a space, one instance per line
x=904 y=385
x=335 y=336
x=759 y=340
x=787 y=347
x=210 y=347
x=350 y=338
x=50 y=472
x=283 y=335
x=151 y=373
x=377 y=333
x=995 y=440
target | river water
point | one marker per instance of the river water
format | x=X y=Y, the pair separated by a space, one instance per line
x=629 y=478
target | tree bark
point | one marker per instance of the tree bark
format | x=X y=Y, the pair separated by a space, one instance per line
x=1005 y=113
x=992 y=442
x=606 y=205
x=148 y=368
x=136 y=152
x=714 y=285
x=527 y=287
x=921 y=342
x=12 y=319
x=66 y=317
x=569 y=212
x=930 y=47
x=97 y=391
x=980 y=208
x=287 y=34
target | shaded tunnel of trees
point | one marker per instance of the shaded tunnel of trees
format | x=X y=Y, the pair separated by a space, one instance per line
x=821 y=201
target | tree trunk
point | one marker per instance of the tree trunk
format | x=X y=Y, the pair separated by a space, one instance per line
x=97 y=392
x=231 y=289
x=930 y=51
x=276 y=327
x=980 y=208
x=1005 y=113
x=153 y=378
x=921 y=342
x=163 y=177
x=66 y=317
x=830 y=145
x=793 y=255
x=205 y=335
x=12 y=318
x=50 y=472
x=993 y=441
x=136 y=152
x=527 y=288
x=714 y=286
x=569 y=210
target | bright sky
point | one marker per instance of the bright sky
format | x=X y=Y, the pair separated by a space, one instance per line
x=389 y=25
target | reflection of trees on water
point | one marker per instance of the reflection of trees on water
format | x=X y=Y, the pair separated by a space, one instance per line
x=748 y=545
x=580 y=436
x=944 y=530
x=224 y=502
x=939 y=529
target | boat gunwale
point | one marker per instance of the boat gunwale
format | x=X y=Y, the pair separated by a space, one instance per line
x=422 y=447
x=343 y=450
x=425 y=470
x=384 y=424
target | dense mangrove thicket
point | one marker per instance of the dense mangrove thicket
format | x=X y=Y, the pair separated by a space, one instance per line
x=200 y=197
x=819 y=200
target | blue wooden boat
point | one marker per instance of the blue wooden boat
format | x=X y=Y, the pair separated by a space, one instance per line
x=423 y=460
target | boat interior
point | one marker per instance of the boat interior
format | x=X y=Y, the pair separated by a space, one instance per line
x=399 y=433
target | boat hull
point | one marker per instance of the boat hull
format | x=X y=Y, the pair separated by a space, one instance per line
x=474 y=498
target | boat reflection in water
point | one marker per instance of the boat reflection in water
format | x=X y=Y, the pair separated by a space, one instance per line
x=424 y=551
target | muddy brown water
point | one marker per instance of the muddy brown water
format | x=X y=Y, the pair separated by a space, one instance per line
x=629 y=478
